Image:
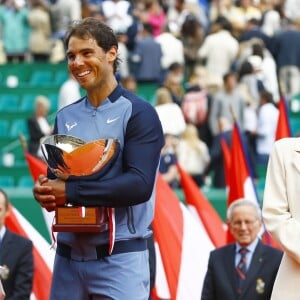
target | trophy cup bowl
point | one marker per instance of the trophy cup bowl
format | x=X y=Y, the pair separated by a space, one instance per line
x=70 y=157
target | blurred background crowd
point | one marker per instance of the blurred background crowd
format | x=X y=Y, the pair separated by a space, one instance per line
x=209 y=63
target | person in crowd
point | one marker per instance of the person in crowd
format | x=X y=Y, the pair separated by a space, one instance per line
x=124 y=66
x=245 y=269
x=271 y=16
x=241 y=13
x=228 y=103
x=117 y=14
x=174 y=83
x=154 y=15
x=114 y=261
x=168 y=111
x=254 y=30
x=172 y=51
x=219 y=60
x=40 y=39
x=193 y=154
x=216 y=166
x=267 y=119
x=129 y=83
x=192 y=35
x=285 y=49
x=281 y=214
x=248 y=78
x=168 y=162
x=63 y=12
x=196 y=106
x=38 y=125
x=146 y=56
x=15 y=30
x=16 y=258
x=267 y=69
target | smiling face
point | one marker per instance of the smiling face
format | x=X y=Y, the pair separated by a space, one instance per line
x=245 y=224
x=89 y=64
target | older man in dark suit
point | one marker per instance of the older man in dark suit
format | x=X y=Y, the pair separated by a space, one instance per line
x=16 y=258
x=245 y=269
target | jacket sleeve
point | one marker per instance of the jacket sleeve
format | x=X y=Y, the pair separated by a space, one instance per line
x=280 y=201
x=141 y=153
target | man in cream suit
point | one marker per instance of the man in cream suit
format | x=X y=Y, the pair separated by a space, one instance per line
x=281 y=213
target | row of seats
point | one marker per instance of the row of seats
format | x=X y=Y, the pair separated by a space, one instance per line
x=7 y=181
x=32 y=74
x=23 y=103
x=13 y=128
x=45 y=78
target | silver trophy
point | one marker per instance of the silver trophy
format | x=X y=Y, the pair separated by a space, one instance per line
x=68 y=156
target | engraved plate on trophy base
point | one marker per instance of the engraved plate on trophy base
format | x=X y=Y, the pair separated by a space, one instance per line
x=68 y=219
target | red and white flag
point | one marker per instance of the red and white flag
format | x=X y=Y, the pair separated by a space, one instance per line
x=202 y=209
x=241 y=184
x=182 y=247
x=283 y=128
x=226 y=152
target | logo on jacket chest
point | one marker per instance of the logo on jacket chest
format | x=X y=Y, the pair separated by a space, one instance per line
x=70 y=125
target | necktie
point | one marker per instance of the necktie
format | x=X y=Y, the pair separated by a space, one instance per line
x=241 y=269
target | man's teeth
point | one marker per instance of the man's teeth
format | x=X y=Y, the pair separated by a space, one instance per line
x=83 y=73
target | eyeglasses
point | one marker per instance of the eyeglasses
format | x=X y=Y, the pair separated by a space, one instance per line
x=247 y=223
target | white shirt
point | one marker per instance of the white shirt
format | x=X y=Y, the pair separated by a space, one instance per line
x=219 y=55
x=117 y=15
x=172 y=49
x=2 y=232
x=266 y=128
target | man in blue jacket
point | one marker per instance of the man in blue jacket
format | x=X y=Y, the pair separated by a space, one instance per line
x=85 y=267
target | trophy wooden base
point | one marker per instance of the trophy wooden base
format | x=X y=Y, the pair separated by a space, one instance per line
x=68 y=219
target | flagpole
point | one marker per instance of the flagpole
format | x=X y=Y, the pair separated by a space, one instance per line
x=23 y=142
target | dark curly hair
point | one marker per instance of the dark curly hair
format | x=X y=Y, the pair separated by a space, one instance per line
x=96 y=29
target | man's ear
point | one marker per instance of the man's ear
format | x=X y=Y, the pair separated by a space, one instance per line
x=8 y=211
x=112 y=54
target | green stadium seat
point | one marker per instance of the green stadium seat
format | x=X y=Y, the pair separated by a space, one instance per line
x=54 y=102
x=147 y=91
x=25 y=181
x=4 y=128
x=27 y=103
x=60 y=77
x=9 y=102
x=6 y=181
x=41 y=78
x=295 y=125
x=18 y=126
x=294 y=106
